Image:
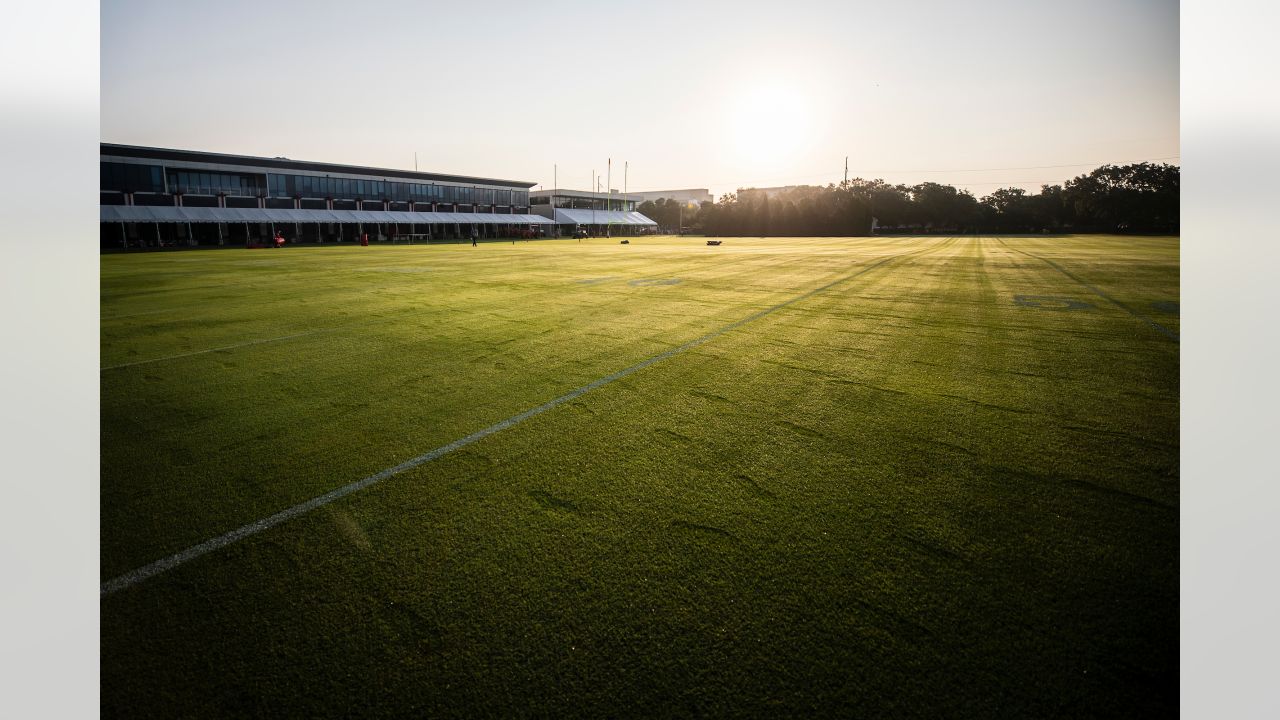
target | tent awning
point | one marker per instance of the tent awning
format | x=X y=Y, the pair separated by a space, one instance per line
x=600 y=217
x=166 y=214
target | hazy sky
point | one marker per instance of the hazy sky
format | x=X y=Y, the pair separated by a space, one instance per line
x=691 y=94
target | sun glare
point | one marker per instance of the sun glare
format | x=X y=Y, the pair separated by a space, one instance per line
x=770 y=123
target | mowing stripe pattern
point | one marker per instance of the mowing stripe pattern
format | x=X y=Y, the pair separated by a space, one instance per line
x=1159 y=328
x=147 y=571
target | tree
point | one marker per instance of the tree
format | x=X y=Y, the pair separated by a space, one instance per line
x=1130 y=198
x=1135 y=198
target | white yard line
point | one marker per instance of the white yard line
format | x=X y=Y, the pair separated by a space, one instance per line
x=217 y=349
x=136 y=576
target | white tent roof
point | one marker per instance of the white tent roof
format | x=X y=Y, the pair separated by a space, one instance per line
x=167 y=214
x=600 y=217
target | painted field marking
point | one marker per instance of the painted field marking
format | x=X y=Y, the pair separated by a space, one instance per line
x=131 y=315
x=1051 y=302
x=645 y=282
x=168 y=563
x=217 y=349
x=1162 y=329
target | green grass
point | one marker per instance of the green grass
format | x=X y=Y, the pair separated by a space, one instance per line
x=905 y=495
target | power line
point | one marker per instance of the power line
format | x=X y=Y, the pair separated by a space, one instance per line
x=1031 y=167
x=824 y=175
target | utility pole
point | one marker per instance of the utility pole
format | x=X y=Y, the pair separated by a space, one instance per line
x=846 y=169
x=608 y=185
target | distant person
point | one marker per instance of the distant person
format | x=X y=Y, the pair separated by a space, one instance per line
x=474 y=235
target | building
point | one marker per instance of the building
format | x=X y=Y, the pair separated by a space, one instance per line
x=691 y=198
x=160 y=197
x=770 y=192
x=609 y=213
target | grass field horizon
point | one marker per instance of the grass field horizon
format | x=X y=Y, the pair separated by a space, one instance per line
x=909 y=476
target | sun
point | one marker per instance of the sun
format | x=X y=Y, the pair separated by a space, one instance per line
x=769 y=123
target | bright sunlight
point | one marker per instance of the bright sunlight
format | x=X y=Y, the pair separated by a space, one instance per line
x=769 y=124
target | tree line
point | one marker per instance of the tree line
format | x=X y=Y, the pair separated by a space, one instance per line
x=1137 y=198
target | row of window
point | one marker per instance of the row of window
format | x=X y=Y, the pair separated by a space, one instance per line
x=213 y=183
x=580 y=203
x=320 y=187
x=129 y=177
x=124 y=177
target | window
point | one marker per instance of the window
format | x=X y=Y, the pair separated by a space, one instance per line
x=112 y=177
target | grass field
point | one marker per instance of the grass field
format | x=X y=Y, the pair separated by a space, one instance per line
x=943 y=484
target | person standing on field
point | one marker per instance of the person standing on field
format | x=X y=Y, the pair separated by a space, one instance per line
x=474 y=235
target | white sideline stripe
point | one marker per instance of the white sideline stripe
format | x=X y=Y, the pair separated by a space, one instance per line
x=136 y=576
x=132 y=315
x=217 y=349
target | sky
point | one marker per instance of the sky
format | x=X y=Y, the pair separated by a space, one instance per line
x=719 y=95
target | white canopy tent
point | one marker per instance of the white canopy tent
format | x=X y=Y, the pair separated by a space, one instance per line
x=601 y=217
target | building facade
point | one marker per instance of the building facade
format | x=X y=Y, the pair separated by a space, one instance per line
x=770 y=192
x=162 y=197
x=606 y=214
x=692 y=197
